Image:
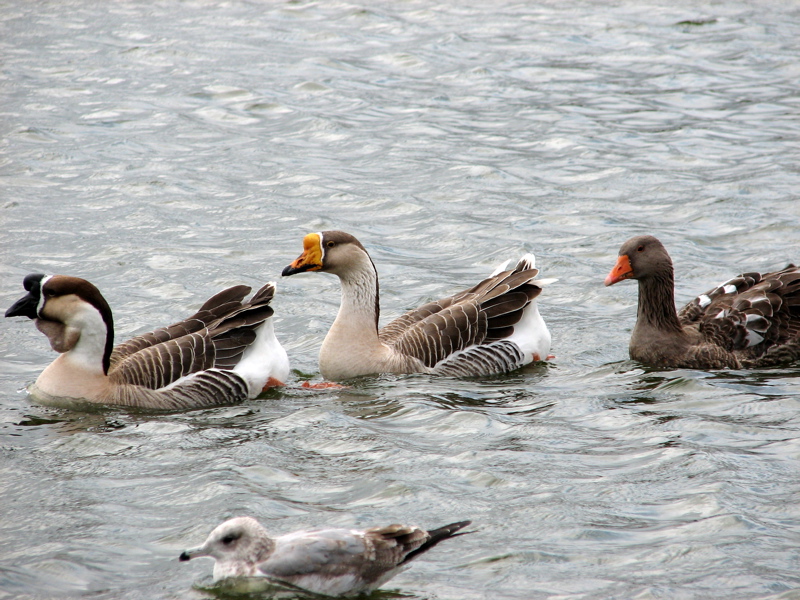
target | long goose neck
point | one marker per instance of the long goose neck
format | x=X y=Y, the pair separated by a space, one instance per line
x=360 y=307
x=657 y=302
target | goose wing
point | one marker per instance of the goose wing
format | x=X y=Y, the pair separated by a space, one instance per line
x=751 y=312
x=220 y=343
x=482 y=314
x=215 y=308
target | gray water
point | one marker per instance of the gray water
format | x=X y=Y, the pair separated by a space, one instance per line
x=165 y=150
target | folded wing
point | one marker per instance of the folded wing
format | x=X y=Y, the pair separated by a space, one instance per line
x=215 y=337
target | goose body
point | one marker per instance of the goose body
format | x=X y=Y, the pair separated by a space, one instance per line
x=333 y=562
x=493 y=327
x=224 y=353
x=752 y=320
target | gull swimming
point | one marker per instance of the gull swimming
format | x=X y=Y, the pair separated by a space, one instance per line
x=330 y=561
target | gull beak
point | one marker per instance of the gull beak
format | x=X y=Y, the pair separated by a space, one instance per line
x=192 y=553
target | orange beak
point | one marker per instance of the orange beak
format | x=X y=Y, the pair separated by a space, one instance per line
x=310 y=259
x=622 y=270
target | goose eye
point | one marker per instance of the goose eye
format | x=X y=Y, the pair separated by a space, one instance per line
x=330 y=244
x=640 y=249
x=228 y=539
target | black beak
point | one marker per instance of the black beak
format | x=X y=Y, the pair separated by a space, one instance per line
x=184 y=557
x=290 y=270
x=24 y=307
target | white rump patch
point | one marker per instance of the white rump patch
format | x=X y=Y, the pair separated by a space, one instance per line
x=729 y=289
x=703 y=300
x=531 y=334
x=262 y=359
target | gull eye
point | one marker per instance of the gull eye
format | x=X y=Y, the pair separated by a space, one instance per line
x=640 y=249
x=228 y=539
x=330 y=244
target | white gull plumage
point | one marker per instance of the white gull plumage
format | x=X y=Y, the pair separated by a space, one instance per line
x=329 y=561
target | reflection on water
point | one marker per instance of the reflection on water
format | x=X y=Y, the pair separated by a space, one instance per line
x=166 y=150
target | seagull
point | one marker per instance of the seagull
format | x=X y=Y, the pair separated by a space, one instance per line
x=329 y=561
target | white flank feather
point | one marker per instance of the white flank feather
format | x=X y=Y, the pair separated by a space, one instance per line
x=531 y=334
x=265 y=358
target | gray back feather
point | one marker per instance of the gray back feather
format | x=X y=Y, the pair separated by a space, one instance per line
x=367 y=556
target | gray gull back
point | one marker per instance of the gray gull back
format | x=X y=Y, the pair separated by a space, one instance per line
x=334 y=562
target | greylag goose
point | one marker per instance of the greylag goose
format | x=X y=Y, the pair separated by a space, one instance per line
x=333 y=562
x=752 y=320
x=490 y=328
x=224 y=353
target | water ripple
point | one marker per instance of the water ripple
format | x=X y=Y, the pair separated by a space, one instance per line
x=167 y=150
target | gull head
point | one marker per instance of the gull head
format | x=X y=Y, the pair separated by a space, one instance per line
x=237 y=546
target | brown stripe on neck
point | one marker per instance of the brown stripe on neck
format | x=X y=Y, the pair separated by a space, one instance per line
x=62 y=285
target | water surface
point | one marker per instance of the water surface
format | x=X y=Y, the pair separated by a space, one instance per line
x=165 y=150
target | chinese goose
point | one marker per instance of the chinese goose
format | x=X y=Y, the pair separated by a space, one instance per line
x=752 y=320
x=490 y=328
x=224 y=353
x=333 y=562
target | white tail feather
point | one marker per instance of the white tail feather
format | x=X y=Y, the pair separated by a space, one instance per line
x=264 y=359
x=528 y=261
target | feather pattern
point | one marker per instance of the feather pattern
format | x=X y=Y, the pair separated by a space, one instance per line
x=751 y=320
x=490 y=328
x=211 y=387
x=443 y=330
x=191 y=363
x=334 y=562
x=216 y=307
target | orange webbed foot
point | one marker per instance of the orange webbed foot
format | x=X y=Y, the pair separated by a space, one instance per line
x=271 y=383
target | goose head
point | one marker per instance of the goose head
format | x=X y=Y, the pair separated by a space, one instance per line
x=641 y=257
x=334 y=252
x=71 y=312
